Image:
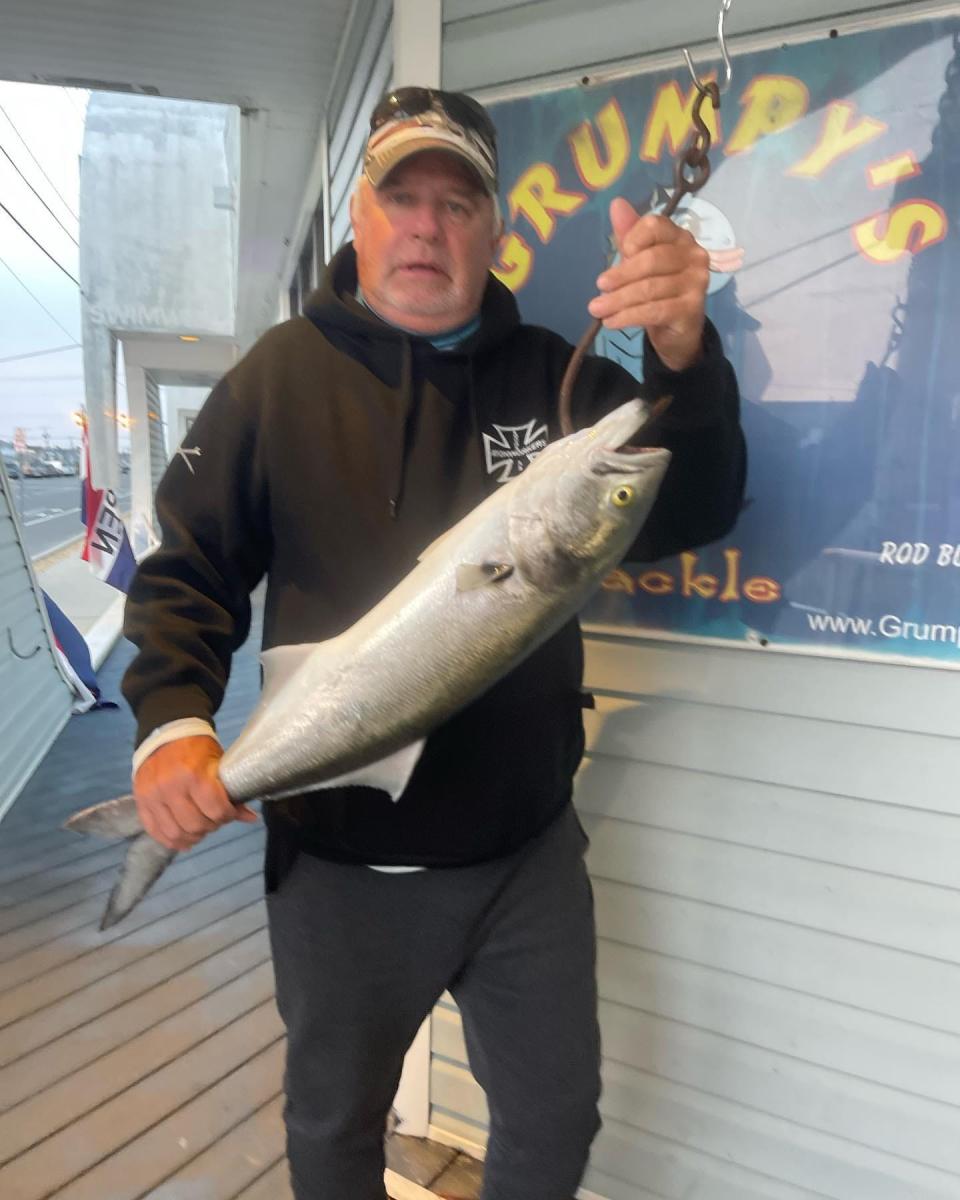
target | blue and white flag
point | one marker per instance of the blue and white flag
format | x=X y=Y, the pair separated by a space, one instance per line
x=75 y=661
x=106 y=547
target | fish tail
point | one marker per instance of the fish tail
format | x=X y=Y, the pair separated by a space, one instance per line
x=145 y=861
x=112 y=818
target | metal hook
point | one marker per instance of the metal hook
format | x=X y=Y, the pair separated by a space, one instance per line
x=16 y=652
x=722 y=42
x=691 y=172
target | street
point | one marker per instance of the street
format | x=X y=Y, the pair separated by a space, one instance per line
x=49 y=510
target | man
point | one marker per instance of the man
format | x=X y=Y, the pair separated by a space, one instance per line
x=343 y=444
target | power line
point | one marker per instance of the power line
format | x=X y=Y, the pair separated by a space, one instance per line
x=39 y=167
x=38 y=379
x=40 y=353
x=34 y=297
x=39 y=197
x=71 y=94
x=39 y=245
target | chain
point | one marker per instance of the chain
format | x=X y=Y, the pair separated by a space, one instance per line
x=691 y=172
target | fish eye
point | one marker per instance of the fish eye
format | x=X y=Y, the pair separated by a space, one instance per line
x=623 y=495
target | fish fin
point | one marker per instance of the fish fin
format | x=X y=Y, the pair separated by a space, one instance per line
x=471 y=576
x=390 y=774
x=111 y=819
x=279 y=664
x=145 y=862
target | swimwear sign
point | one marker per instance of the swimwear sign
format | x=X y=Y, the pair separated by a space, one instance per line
x=832 y=219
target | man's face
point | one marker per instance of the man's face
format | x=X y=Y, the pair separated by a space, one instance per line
x=425 y=241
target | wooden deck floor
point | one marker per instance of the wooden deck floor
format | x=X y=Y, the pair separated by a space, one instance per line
x=145 y=1061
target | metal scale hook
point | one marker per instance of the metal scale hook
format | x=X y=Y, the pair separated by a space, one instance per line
x=691 y=172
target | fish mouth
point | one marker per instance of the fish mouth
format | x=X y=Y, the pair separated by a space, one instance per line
x=622 y=428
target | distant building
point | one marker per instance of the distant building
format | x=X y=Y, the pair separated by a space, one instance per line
x=158 y=267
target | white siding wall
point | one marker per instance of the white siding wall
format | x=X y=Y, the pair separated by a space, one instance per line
x=35 y=702
x=492 y=42
x=774 y=849
x=365 y=75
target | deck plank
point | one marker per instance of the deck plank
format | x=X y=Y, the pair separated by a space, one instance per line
x=47 y=1023
x=30 y=840
x=135 y=1170
x=272 y=1185
x=15 y=916
x=57 y=1106
x=145 y=1061
x=126 y=950
x=81 y=862
x=88 y=940
x=94 y=883
x=163 y=1014
x=234 y=1161
x=135 y=1140
x=208 y=856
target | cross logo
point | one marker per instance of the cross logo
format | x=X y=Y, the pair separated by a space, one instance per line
x=513 y=448
x=195 y=451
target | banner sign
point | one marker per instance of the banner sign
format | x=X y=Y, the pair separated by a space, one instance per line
x=832 y=218
x=106 y=546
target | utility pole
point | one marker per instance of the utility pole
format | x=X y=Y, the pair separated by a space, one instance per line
x=20 y=447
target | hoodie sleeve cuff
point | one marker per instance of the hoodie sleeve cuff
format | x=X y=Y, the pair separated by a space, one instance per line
x=173 y=731
x=161 y=706
x=698 y=392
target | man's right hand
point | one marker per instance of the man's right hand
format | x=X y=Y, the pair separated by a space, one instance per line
x=180 y=798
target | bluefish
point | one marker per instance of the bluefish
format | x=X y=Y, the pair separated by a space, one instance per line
x=357 y=708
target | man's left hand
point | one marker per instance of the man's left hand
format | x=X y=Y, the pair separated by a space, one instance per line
x=660 y=284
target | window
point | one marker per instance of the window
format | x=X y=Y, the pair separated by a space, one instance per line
x=306 y=276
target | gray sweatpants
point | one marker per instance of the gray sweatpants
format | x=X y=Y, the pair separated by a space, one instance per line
x=360 y=959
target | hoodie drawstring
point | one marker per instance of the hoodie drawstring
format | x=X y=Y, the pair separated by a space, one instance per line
x=475 y=432
x=408 y=400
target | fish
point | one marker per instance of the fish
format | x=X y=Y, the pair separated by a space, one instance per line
x=357 y=708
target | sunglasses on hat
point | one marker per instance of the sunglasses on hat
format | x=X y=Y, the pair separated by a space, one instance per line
x=409 y=102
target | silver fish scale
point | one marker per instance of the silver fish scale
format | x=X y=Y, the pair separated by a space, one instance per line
x=427 y=649
x=380 y=687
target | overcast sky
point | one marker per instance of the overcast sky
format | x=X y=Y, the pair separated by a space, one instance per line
x=40 y=392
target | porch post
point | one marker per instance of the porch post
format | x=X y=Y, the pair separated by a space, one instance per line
x=417 y=42
x=417 y=39
x=141 y=528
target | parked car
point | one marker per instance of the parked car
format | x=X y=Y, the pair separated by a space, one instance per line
x=12 y=466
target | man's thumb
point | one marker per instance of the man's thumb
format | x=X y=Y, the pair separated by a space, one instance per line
x=623 y=217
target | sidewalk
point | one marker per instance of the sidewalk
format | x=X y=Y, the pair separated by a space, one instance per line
x=147 y=1059
x=94 y=607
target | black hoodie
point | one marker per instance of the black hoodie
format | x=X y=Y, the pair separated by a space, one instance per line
x=330 y=457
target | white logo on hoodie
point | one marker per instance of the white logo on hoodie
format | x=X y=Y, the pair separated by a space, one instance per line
x=513 y=448
x=184 y=452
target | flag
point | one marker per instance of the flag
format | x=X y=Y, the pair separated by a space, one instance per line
x=106 y=546
x=75 y=661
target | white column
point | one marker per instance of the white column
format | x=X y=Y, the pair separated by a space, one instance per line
x=141 y=484
x=417 y=42
x=412 y=1101
x=99 y=369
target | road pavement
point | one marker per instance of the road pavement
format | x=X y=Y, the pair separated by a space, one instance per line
x=49 y=510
